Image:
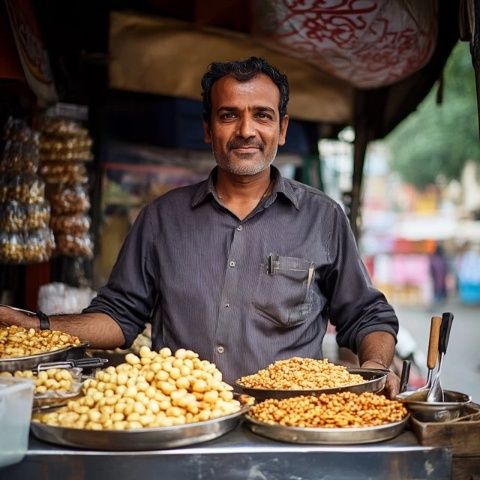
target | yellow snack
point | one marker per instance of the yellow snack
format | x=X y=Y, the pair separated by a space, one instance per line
x=339 y=410
x=21 y=342
x=149 y=390
x=301 y=373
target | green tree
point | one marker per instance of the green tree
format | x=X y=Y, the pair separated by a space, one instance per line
x=438 y=139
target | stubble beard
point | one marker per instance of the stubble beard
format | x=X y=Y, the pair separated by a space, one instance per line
x=238 y=167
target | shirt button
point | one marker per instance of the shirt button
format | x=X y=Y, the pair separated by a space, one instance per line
x=220 y=349
x=227 y=305
x=240 y=228
x=232 y=263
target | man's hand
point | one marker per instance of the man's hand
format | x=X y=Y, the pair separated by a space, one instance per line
x=376 y=351
x=9 y=316
x=100 y=330
x=392 y=383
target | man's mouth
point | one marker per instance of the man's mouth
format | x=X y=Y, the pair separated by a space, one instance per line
x=245 y=148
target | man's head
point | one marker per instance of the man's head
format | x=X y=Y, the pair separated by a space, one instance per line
x=245 y=116
x=243 y=70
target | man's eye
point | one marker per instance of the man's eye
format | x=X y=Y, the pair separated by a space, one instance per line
x=263 y=115
x=227 y=116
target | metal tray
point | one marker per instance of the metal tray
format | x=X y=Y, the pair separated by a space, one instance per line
x=141 y=439
x=32 y=361
x=374 y=382
x=327 y=436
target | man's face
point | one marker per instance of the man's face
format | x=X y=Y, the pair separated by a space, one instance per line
x=245 y=129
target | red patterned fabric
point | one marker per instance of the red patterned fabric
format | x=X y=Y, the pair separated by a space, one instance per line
x=369 y=43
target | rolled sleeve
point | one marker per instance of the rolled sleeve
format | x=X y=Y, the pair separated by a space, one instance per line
x=129 y=296
x=356 y=307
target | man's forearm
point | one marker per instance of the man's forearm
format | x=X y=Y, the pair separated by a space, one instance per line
x=99 y=329
x=378 y=348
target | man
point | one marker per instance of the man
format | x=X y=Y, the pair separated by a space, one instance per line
x=246 y=267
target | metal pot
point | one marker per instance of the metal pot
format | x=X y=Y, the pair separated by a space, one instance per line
x=424 y=411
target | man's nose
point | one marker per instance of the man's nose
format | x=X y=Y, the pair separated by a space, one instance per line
x=246 y=128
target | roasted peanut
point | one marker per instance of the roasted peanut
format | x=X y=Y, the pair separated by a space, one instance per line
x=340 y=410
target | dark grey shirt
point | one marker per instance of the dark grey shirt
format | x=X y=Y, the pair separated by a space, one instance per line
x=244 y=293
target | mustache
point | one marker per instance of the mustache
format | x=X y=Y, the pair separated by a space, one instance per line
x=238 y=143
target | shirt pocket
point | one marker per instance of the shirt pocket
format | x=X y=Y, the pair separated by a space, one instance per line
x=284 y=290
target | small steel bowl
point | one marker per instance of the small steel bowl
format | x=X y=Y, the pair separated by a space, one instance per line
x=450 y=409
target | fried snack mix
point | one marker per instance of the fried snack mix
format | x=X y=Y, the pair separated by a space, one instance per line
x=51 y=380
x=20 y=342
x=150 y=390
x=301 y=373
x=339 y=410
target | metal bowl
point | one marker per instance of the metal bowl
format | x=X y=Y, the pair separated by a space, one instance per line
x=30 y=362
x=374 y=382
x=424 y=411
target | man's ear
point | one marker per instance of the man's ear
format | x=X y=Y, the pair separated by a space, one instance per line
x=207 y=137
x=283 y=130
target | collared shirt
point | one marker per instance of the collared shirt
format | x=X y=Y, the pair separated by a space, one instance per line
x=243 y=293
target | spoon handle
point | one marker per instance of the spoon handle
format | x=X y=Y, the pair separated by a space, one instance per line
x=405 y=375
x=433 y=342
x=447 y=319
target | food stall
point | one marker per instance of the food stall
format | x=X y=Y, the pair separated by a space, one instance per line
x=233 y=444
x=169 y=414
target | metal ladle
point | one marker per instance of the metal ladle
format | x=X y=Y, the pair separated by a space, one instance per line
x=435 y=393
x=422 y=392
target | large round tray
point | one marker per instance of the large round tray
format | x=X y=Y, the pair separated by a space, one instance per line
x=141 y=439
x=327 y=436
x=32 y=361
x=374 y=382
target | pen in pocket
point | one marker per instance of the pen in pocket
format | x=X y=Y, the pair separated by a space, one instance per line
x=311 y=271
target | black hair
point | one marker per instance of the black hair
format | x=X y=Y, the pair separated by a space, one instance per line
x=243 y=70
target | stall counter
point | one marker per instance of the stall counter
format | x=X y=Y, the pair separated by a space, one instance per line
x=238 y=455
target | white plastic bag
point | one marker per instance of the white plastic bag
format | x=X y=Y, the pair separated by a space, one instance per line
x=55 y=298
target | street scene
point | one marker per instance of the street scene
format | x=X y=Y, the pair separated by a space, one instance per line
x=239 y=239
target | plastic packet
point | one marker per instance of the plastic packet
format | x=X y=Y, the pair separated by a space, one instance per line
x=74 y=245
x=25 y=188
x=70 y=199
x=64 y=172
x=13 y=216
x=73 y=224
x=37 y=215
x=12 y=247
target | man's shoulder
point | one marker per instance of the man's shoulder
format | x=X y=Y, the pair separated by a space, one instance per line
x=311 y=194
x=176 y=196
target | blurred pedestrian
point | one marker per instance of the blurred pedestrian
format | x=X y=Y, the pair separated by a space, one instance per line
x=439 y=272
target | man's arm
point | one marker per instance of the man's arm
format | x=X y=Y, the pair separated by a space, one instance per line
x=376 y=351
x=99 y=329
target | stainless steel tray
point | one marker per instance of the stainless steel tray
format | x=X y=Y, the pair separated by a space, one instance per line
x=141 y=439
x=374 y=382
x=32 y=361
x=327 y=436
